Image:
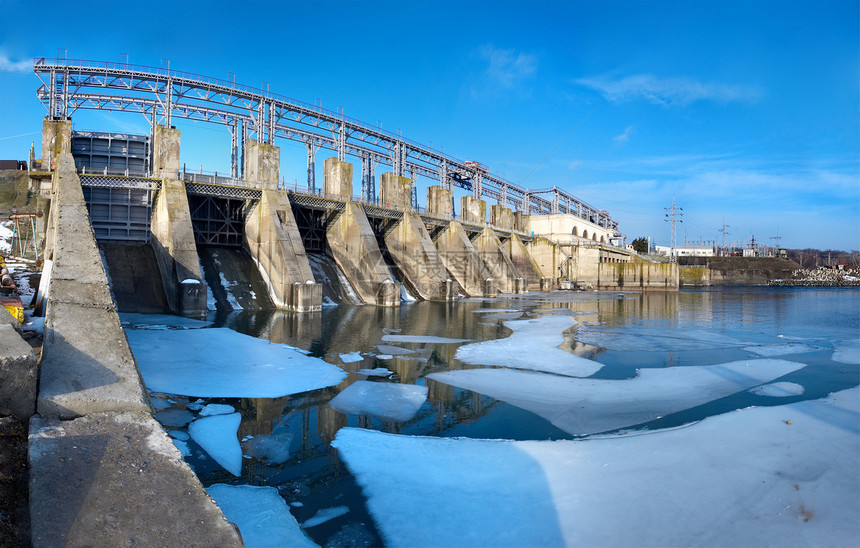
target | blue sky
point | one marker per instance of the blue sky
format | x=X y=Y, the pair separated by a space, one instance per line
x=746 y=111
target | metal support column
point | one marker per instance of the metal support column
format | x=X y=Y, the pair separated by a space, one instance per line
x=477 y=181
x=554 y=206
x=312 y=185
x=234 y=149
x=341 y=142
x=443 y=176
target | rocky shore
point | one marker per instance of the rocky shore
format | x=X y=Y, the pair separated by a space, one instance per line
x=820 y=277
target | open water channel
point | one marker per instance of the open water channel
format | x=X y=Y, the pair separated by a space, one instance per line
x=806 y=338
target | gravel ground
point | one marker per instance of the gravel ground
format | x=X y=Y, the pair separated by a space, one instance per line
x=14 y=509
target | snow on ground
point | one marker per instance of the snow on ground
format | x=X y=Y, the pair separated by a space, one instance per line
x=420 y=339
x=778 y=390
x=633 y=338
x=135 y=320
x=221 y=363
x=260 y=514
x=781 y=349
x=217 y=436
x=396 y=402
x=533 y=345
x=351 y=357
x=748 y=478
x=847 y=351
x=589 y=406
x=324 y=515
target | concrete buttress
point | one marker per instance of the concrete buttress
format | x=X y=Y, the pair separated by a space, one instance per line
x=272 y=239
x=354 y=248
x=412 y=249
x=175 y=251
x=502 y=270
x=462 y=261
x=523 y=262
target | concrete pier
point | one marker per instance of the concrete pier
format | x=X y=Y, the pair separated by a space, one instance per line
x=501 y=216
x=415 y=254
x=337 y=179
x=395 y=191
x=473 y=210
x=56 y=140
x=273 y=241
x=462 y=260
x=522 y=261
x=262 y=163
x=355 y=250
x=502 y=270
x=440 y=201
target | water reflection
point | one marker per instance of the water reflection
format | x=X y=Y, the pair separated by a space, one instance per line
x=666 y=330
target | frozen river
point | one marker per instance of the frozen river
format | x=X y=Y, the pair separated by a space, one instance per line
x=725 y=416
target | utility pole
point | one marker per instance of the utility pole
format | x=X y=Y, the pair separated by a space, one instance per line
x=776 y=242
x=672 y=218
x=724 y=231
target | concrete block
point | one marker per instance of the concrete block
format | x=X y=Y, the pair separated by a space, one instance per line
x=546 y=285
x=395 y=191
x=501 y=216
x=262 y=164
x=56 y=140
x=440 y=201
x=165 y=152
x=473 y=210
x=337 y=179
x=388 y=294
x=306 y=297
x=18 y=375
x=490 y=288
x=521 y=221
x=520 y=285
x=116 y=479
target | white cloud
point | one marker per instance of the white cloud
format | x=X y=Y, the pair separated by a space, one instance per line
x=7 y=65
x=506 y=66
x=625 y=136
x=666 y=91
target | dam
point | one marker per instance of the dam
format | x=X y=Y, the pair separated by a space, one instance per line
x=128 y=227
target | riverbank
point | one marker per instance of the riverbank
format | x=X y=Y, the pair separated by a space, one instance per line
x=819 y=277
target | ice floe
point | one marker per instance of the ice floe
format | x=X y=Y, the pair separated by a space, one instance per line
x=421 y=339
x=783 y=475
x=324 y=515
x=223 y=363
x=589 y=406
x=393 y=350
x=778 y=390
x=274 y=448
x=136 y=320
x=640 y=338
x=182 y=446
x=378 y=372
x=781 y=349
x=533 y=345
x=174 y=417
x=260 y=514
x=217 y=435
x=397 y=402
x=351 y=357
x=847 y=351
x=216 y=409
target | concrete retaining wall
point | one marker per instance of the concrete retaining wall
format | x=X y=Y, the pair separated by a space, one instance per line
x=640 y=276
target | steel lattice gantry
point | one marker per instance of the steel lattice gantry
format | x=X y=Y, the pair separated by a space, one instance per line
x=161 y=94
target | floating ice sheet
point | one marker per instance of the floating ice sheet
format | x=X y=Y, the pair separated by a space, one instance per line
x=533 y=345
x=226 y=364
x=847 y=351
x=324 y=515
x=397 y=402
x=216 y=409
x=174 y=417
x=351 y=357
x=378 y=372
x=159 y=321
x=393 y=350
x=780 y=349
x=744 y=478
x=778 y=390
x=589 y=406
x=640 y=338
x=274 y=448
x=217 y=435
x=420 y=339
x=260 y=514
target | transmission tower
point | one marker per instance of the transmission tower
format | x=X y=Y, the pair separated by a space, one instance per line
x=725 y=232
x=673 y=216
x=776 y=242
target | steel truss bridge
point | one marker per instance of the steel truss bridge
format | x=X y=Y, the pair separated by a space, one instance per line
x=161 y=94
